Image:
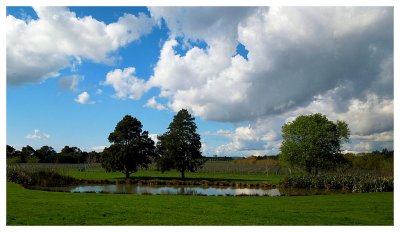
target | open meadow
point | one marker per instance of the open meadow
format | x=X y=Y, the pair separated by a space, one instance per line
x=61 y=208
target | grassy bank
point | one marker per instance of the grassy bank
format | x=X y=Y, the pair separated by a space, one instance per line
x=228 y=171
x=52 y=208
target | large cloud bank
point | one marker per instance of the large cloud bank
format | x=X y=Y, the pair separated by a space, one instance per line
x=39 y=49
x=338 y=61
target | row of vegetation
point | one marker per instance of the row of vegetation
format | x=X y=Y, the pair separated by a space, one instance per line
x=373 y=163
x=47 y=154
x=350 y=183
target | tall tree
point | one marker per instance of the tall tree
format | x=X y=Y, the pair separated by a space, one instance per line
x=46 y=154
x=179 y=147
x=312 y=142
x=131 y=148
x=10 y=151
x=70 y=155
x=27 y=152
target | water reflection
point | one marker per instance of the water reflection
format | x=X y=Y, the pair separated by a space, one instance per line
x=179 y=190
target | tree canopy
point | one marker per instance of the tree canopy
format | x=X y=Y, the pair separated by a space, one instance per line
x=46 y=154
x=179 y=147
x=312 y=142
x=131 y=148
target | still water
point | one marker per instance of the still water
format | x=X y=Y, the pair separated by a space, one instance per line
x=178 y=190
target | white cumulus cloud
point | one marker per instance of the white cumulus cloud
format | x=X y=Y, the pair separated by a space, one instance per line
x=38 y=135
x=295 y=54
x=84 y=98
x=152 y=103
x=126 y=84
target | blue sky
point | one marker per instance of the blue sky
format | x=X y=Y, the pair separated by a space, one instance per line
x=74 y=72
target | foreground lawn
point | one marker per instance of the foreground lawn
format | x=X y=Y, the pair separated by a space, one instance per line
x=32 y=207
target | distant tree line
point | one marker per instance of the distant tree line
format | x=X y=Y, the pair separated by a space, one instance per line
x=47 y=154
x=378 y=162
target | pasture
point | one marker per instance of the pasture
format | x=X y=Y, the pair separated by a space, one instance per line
x=55 y=208
x=61 y=208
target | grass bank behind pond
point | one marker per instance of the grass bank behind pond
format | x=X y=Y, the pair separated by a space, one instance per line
x=32 y=207
x=230 y=172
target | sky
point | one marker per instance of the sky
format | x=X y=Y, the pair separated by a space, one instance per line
x=74 y=72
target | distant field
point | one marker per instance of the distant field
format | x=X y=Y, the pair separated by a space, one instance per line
x=32 y=207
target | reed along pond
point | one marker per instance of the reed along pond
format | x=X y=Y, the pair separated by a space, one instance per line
x=189 y=190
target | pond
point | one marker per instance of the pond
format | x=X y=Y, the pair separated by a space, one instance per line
x=191 y=190
x=173 y=190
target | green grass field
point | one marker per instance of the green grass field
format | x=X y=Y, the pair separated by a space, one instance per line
x=33 y=207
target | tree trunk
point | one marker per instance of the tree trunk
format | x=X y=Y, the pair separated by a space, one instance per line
x=309 y=169
x=182 y=174
x=126 y=172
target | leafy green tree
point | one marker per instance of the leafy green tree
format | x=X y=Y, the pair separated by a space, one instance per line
x=131 y=148
x=312 y=142
x=10 y=151
x=179 y=147
x=13 y=155
x=70 y=155
x=46 y=154
x=27 y=152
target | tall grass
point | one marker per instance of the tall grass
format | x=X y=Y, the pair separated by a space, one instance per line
x=33 y=176
x=352 y=183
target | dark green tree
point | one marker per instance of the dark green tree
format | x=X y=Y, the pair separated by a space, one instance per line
x=13 y=155
x=70 y=155
x=27 y=152
x=131 y=148
x=46 y=154
x=179 y=148
x=312 y=142
x=10 y=151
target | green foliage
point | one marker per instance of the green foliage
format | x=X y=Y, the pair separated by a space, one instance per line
x=26 y=153
x=71 y=155
x=10 y=151
x=352 y=183
x=376 y=163
x=46 y=154
x=312 y=142
x=179 y=148
x=131 y=148
x=38 y=177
